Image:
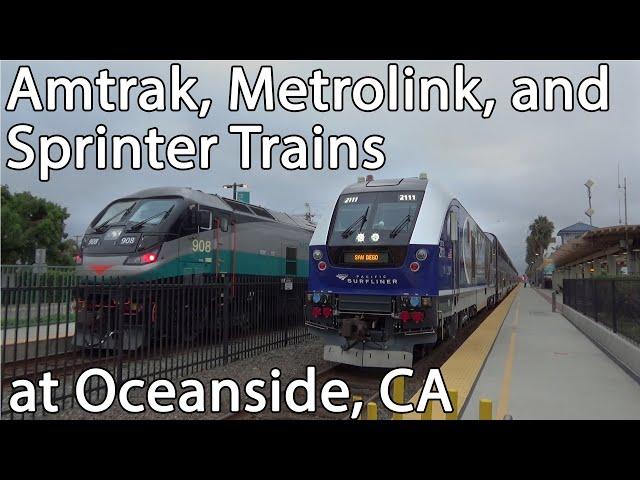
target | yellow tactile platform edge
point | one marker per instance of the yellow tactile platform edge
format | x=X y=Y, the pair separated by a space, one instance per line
x=463 y=367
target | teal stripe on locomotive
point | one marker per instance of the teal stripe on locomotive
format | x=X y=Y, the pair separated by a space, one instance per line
x=205 y=263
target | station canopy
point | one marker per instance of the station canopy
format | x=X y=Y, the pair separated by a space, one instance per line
x=596 y=243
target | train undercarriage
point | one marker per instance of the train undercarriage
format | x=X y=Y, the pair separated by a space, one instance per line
x=393 y=339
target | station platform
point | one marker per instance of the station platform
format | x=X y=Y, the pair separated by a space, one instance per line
x=534 y=364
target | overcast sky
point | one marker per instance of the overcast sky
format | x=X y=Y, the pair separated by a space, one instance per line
x=505 y=170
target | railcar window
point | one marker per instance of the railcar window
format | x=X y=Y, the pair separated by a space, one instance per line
x=473 y=255
x=291 y=264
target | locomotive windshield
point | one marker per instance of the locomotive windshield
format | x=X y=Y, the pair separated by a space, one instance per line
x=381 y=218
x=151 y=211
x=114 y=213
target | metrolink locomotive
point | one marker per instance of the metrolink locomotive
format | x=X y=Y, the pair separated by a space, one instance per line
x=179 y=235
x=398 y=267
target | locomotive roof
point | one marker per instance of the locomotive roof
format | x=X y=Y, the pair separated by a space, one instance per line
x=226 y=204
x=388 y=185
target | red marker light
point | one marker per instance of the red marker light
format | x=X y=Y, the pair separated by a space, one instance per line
x=148 y=258
x=322 y=266
x=417 y=316
x=327 y=312
x=414 y=267
x=78 y=259
x=404 y=316
x=316 y=312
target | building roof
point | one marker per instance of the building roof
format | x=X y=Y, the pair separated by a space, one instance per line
x=595 y=243
x=579 y=227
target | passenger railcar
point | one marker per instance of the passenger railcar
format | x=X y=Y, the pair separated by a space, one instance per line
x=182 y=234
x=399 y=266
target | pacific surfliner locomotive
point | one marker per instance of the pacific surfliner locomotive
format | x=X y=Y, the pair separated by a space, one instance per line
x=399 y=266
x=179 y=234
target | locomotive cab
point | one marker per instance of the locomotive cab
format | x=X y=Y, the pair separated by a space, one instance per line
x=399 y=266
x=372 y=295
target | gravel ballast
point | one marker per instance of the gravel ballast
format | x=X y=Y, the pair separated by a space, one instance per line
x=291 y=360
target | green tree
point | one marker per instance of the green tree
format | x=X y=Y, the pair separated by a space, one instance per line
x=30 y=222
x=539 y=238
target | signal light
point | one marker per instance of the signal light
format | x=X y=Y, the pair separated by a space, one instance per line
x=414 y=267
x=404 y=316
x=144 y=259
x=322 y=266
x=327 y=312
x=417 y=316
x=78 y=259
x=316 y=312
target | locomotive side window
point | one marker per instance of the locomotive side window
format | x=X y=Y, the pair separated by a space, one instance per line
x=291 y=264
x=204 y=219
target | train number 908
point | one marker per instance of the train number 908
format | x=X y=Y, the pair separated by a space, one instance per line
x=201 y=246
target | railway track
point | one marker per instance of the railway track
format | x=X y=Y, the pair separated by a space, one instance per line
x=364 y=382
x=63 y=364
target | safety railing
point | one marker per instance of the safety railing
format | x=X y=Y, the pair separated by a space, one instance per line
x=612 y=302
x=154 y=329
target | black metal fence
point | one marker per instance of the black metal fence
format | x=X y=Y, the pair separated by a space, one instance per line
x=614 y=303
x=148 y=330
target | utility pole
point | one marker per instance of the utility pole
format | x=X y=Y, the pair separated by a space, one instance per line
x=625 y=201
x=235 y=187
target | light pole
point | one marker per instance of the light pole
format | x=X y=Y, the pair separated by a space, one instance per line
x=589 y=183
x=235 y=186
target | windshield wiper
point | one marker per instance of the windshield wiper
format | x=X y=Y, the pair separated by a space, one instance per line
x=360 y=220
x=99 y=228
x=142 y=222
x=394 y=233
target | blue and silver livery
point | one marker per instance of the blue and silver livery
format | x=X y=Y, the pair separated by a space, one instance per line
x=399 y=266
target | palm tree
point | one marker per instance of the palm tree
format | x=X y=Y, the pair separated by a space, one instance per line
x=539 y=238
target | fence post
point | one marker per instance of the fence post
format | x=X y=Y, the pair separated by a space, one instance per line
x=614 y=318
x=119 y=330
x=287 y=310
x=553 y=301
x=225 y=320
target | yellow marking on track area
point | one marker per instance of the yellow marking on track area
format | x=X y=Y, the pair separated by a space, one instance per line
x=463 y=367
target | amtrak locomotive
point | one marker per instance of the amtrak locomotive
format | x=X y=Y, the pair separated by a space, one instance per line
x=179 y=234
x=399 y=266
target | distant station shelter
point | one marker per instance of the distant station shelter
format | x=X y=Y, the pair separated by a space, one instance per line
x=596 y=252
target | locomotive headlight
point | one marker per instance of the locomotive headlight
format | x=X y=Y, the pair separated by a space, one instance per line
x=317 y=255
x=414 y=301
x=421 y=254
x=143 y=259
